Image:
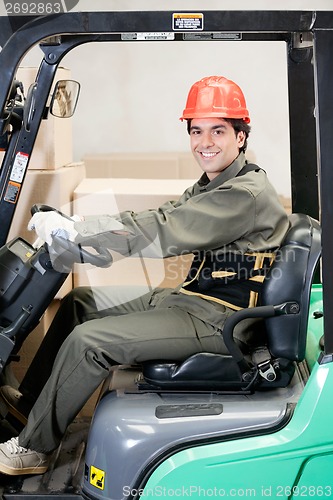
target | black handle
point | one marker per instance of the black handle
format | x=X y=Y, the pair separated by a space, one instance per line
x=39 y=207
x=102 y=258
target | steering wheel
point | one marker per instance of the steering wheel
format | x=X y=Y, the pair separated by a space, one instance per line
x=102 y=258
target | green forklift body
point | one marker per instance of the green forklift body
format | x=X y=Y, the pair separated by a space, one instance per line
x=295 y=461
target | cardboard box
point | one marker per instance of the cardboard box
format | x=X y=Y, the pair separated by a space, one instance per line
x=54 y=145
x=188 y=167
x=100 y=196
x=177 y=165
x=143 y=165
x=50 y=187
x=103 y=195
x=286 y=202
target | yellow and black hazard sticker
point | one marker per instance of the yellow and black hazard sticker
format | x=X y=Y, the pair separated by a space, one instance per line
x=97 y=477
x=182 y=21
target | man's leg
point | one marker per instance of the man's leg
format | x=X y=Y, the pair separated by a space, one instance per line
x=80 y=305
x=85 y=357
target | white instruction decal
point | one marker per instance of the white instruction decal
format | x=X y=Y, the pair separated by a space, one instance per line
x=19 y=167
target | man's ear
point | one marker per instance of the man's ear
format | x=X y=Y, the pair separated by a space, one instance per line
x=241 y=137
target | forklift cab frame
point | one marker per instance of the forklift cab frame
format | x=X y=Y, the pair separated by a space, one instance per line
x=309 y=49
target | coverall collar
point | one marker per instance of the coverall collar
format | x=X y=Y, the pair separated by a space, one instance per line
x=228 y=173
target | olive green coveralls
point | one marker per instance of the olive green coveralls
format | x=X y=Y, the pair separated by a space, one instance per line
x=96 y=328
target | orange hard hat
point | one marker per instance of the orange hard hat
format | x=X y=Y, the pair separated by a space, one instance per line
x=215 y=96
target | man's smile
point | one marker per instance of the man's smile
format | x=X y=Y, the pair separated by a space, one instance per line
x=208 y=155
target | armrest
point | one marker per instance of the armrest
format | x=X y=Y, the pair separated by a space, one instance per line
x=261 y=312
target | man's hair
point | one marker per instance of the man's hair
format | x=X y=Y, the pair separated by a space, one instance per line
x=238 y=125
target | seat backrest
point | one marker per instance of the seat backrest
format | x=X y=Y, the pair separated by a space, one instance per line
x=289 y=279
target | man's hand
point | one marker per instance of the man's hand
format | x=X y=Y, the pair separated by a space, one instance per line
x=47 y=224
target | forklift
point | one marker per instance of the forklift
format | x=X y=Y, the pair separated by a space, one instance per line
x=234 y=425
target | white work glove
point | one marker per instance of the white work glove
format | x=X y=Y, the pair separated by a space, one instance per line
x=47 y=224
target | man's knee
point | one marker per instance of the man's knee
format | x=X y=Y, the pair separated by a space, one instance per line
x=78 y=341
x=81 y=343
x=78 y=294
x=78 y=301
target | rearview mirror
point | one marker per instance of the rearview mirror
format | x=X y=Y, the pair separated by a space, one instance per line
x=64 y=98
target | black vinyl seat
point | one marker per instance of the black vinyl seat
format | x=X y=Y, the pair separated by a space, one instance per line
x=283 y=312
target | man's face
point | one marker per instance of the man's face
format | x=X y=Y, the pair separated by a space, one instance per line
x=214 y=144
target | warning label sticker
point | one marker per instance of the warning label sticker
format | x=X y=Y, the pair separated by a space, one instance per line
x=186 y=21
x=19 y=167
x=148 y=36
x=97 y=477
x=12 y=192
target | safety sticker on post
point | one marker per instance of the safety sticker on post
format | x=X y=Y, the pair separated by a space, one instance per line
x=19 y=167
x=12 y=192
x=187 y=21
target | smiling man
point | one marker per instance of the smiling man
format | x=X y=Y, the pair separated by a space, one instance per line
x=217 y=121
x=231 y=220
